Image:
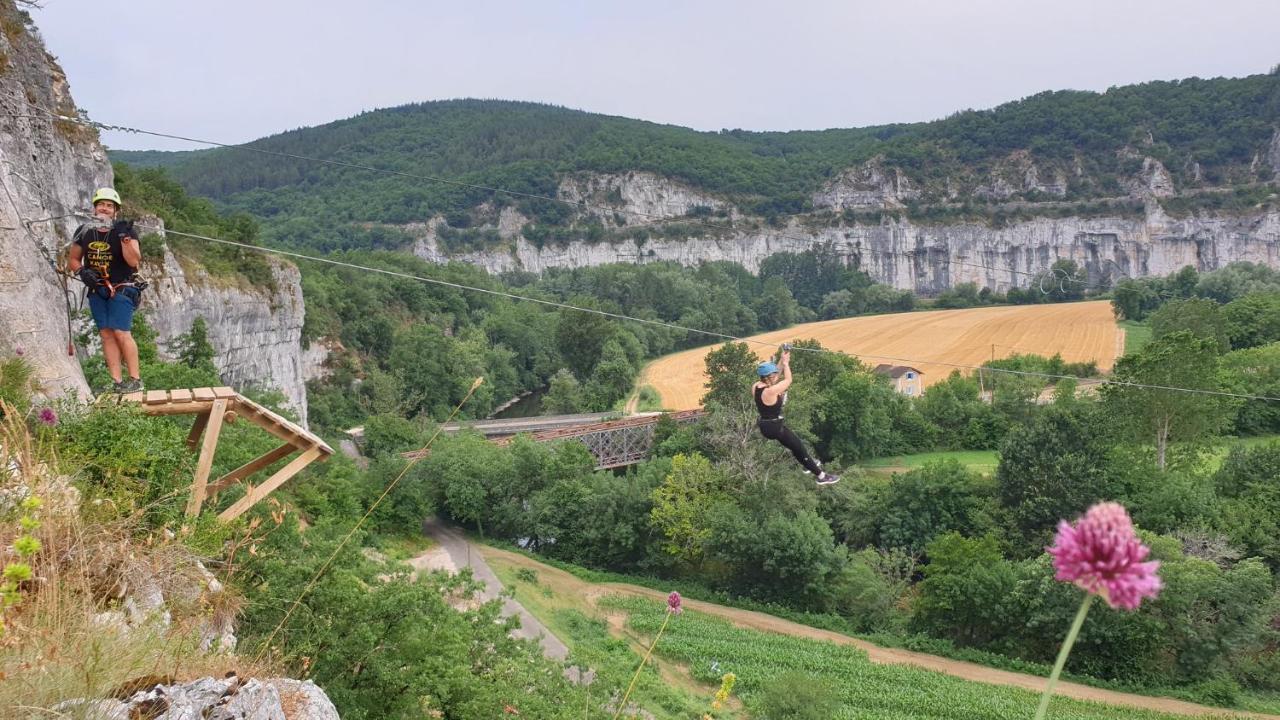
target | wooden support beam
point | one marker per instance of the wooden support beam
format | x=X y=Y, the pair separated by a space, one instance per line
x=197 y=427
x=205 y=463
x=250 y=468
x=282 y=475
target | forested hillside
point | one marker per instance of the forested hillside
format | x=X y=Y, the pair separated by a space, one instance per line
x=1206 y=132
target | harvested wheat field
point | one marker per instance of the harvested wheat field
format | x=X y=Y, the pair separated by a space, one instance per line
x=924 y=340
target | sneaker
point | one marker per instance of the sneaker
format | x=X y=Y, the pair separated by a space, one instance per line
x=117 y=387
x=131 y=385
x=827 y=478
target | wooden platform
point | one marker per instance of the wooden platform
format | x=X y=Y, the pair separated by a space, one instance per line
x=215 y=406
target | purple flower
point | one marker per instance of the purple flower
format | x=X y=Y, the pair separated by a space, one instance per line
x=1102 y=555
x=673 y=603
x=19 y=352
x=48 y=416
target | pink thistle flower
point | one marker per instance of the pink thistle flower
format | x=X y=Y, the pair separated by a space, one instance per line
x=19 y=352
x=673 y=603
x=1101 y=554
x=48 y=416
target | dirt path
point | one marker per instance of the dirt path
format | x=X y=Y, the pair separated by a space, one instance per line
x=957 y=668
x=458 y=552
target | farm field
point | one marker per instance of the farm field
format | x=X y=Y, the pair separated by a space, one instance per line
x=927 y=341
x=980 y=461
x=609 y=625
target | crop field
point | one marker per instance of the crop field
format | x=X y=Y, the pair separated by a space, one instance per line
x=927 y=341
x=709 y=646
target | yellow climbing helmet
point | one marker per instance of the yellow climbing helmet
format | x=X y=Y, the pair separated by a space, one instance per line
x=106 y=194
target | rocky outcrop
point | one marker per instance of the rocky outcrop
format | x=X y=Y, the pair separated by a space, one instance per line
x=928 y=258
x=229 y=698
x=47 y=169
x=868 y=187
x=639 y=197
x=256 y=332
x=1273 y=153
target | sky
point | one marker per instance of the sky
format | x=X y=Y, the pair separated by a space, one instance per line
x=233 y=71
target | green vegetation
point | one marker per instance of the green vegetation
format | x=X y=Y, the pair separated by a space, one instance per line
x=1205 y=132
x=1136 y=335
x=860 y=689
x=981 y=461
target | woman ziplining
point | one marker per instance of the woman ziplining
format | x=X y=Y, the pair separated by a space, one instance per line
x=770 y=394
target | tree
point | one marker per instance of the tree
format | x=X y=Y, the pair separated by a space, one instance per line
x=1253 y=320
x=1199 y=316
x=1177 y=360
x=731 y=371
x=966 y=587
x=854 y=417
x=193 y=348
x=612 y=377
x=564 y=395
x=1255 y=371
x=681 y=506
x=1053 y=468
x=926 y=502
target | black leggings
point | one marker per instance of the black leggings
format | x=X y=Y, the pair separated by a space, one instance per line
x=776 y=430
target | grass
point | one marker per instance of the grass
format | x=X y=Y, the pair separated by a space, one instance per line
x=405 y=547
x=981 y=461
x=1136 y=335
x=649 y=400
x=594 y=642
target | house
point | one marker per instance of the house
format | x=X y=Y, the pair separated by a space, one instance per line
x=905 y=379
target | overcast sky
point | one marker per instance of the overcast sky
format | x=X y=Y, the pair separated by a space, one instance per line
x=239 y=70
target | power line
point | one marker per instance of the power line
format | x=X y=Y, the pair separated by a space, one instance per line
x=1042 y=274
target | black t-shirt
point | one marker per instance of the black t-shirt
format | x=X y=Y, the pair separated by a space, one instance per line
x=101 y=250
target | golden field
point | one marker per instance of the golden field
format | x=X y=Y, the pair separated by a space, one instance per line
x=924 y=340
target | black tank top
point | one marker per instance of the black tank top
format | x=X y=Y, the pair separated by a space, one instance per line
x=767 y=412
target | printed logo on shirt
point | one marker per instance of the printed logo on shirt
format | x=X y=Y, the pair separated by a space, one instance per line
x=98 y=256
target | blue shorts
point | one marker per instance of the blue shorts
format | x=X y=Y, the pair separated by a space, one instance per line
x=116 y=313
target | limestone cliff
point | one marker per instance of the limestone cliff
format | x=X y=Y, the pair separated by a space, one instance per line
x=46 y=167
x=256 y=332
x=922 y=257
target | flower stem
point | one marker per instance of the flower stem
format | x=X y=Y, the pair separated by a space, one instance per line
x=1062 y=655
x=623 y=703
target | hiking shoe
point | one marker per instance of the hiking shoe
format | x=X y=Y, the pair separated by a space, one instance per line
x=827 y=478
x=117 y=387
x=131 y=385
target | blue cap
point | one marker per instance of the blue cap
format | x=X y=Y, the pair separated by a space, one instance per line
x=767 y=368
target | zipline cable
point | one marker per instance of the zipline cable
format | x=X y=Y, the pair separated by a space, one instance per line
x=709 y=333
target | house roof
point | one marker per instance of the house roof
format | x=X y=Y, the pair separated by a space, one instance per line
x=895 y=371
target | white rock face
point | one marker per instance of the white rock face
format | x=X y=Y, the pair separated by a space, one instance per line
x=213 y=699
x=256 y=332
x=930 y=258
x=46 y=170
x=644 y=196
x=869 y=187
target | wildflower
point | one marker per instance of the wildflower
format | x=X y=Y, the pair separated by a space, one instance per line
x=48 y=417
x=1101 y=554
x=673 y=608
x=19 y=351
x=673 y=603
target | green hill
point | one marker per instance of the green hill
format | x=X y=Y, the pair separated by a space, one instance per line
x=1206 y=132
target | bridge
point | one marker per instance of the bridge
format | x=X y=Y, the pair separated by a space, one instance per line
x=614 y=443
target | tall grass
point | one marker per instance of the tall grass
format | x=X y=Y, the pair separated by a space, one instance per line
x=81 y=627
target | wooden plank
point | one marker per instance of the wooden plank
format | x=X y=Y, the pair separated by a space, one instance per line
x=180 y=396
x=225 y=392
x=133 y=397
x=188 y=408
x=156 y=397
x=197 y=428
x=205 y=463
x=203 y=393
x=250 y=468
x=282 y=475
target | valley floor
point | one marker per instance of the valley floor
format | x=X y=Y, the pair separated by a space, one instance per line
x=555 y=591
